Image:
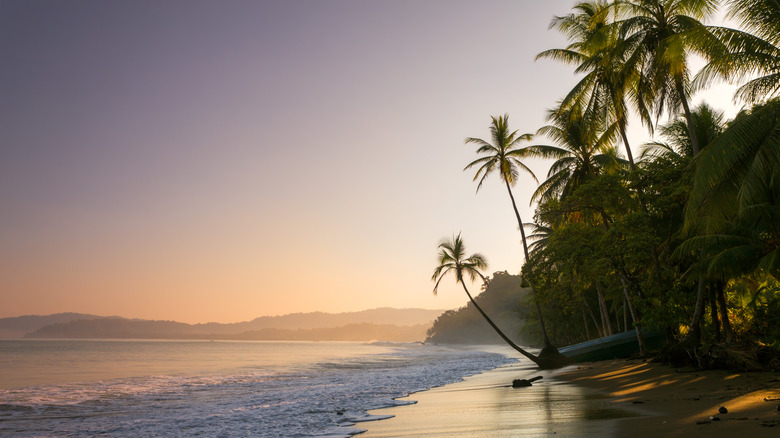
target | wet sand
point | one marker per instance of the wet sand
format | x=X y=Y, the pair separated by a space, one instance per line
x=610 y=398
x=486 y=405
x=681 y=401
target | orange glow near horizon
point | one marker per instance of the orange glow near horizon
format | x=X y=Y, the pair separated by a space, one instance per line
x=259 y=158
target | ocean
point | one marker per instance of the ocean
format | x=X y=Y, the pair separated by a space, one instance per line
x=132 y=388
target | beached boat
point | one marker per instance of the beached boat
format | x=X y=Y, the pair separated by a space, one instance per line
x=611 y=347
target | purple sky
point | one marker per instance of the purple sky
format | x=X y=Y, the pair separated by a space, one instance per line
x=218 y=161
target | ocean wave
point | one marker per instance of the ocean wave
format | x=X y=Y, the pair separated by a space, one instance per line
x=322 y=398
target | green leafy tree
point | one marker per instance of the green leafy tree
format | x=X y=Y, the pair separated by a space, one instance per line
x=736 y=186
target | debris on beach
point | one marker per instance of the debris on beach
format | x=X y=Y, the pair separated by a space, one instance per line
x=522 y=383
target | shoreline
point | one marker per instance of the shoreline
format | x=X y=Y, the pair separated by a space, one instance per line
x=608 y=398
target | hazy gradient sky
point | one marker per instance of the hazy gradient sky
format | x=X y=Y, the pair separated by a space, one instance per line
x=218 y=161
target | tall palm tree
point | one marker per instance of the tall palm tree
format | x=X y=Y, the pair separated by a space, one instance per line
x=582 y=154
x=453 y=260
x=737 y=184
x=731 y=195
x=503 y=156
x=661 y=34
x=708 y=124
x=598 y=51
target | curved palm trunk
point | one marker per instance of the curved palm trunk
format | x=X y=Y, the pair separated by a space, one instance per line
x=506 y=339
x=547 y=343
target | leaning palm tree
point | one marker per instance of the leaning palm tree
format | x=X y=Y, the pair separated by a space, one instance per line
x=661 y=34
x=453 y=260
x=503 y=156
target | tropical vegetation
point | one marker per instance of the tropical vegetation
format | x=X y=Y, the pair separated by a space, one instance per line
x=684 y=239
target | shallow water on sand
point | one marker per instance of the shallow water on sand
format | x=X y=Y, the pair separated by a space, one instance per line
x=486 y=405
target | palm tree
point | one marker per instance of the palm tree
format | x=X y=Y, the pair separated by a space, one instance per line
x=660 y=34
x=749 y=53
x=598 y=51
x=582 y=154
x=452 y=259
x=504 y=157
x=737 y=184
x=708 y=123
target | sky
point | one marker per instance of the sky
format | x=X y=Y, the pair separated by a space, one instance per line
x=218 y=161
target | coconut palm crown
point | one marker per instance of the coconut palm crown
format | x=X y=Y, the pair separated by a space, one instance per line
x=452 y=259
x=502 y=156
x=662 y=34
x=583 y=153
x=599 y=52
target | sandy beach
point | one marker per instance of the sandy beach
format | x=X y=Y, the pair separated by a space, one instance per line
x=609 y=398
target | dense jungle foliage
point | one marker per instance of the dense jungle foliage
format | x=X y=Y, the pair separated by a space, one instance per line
x=682 y=238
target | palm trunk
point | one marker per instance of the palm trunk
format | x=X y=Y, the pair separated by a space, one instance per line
x=637 y=327
x=688 y=117
x=625 y=315
x=603 y=307
x=593 y=317
x=714 y=315
x=546 y=339
x=724 y=313
x=694 y=333
x=585 y=321
x=498 y=330
x=628 y=148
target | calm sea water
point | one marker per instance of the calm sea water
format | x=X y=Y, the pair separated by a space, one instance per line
x=200 y=388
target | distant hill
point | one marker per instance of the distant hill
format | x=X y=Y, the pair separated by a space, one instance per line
x=503 y=301
x=17 y=326
x=377 y=324
x=312 y=320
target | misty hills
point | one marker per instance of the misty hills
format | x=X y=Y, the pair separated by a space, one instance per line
x=377 y=324
x=18 y=326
